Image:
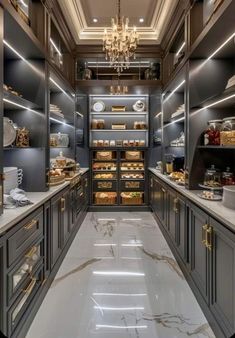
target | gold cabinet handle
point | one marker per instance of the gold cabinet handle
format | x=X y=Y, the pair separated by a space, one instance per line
x=81 y=194
x=86 y=182
x=31 y=252
x=176 y=210
x=163 y=190
x=30 y=287
x=151 y=183
x=30 y=224
x=62 y=203
x=209 y=233
x=204 y=234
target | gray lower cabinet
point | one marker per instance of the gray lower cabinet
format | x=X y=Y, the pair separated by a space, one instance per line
x=199 y=255
x=222 y=296
x=206 y=248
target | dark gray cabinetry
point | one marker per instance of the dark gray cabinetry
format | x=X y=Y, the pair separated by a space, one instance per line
x=199 y=255
x=205 y=249
x=60 y=210
x=222 y=294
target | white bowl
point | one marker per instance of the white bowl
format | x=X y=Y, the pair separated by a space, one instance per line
x=229 y=196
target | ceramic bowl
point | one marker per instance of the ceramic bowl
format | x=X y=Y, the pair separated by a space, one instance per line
x=229 y=196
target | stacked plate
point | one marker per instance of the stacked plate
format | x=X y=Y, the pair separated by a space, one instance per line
x=13 y=177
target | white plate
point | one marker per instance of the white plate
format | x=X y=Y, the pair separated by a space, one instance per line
x=215 y=198
x=9 y=132
x=99 y=106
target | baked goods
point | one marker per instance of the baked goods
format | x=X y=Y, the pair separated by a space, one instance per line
x=105 y=198
x=130 y=198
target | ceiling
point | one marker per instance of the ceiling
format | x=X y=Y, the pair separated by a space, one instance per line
x=79 y=15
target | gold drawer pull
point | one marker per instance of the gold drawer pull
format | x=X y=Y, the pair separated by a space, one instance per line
x=151 y=183
x=204 y=234
x=30 y=224
x=30 y=287
x=163 y=190
x=175 y=208
x=81 y=194
x=62 y=202
x=31 y=252
x=209 y=232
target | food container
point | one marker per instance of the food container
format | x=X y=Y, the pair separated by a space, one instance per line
x=112 y=143
x=22 y=137
x=227 y=134
x=104 y=155
x=140 y=125
x=106 y=143
x=105 y=198
x=132 y=198
x=229 y=196
x=142 y=143
x=212 y=177
x=228 y=177
x=133 y=155
x=59 y=140
x=212 y=133
x=60 y=160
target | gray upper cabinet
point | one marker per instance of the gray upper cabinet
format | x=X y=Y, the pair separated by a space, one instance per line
x=223 y=277
x=199 y=257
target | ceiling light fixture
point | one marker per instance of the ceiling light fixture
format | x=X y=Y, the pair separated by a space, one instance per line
x=120 y=44
x=95 y=20
x=141 y=20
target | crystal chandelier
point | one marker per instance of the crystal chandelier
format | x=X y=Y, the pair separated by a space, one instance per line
x=120 y=44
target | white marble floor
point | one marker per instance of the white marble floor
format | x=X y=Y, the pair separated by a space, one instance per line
x=119 y=280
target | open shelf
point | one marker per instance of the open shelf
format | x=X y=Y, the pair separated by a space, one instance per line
x=119 y=130
x=217 y=147
x=120 y=113
x=17 y=102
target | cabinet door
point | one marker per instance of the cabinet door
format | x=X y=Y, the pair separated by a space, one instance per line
x=65 y=211
x=172 y=213
x=223 y=277
x=3 y=288
x=55 y=228
x=199 y=254
x=47 y=239
x=182 y=228
x=151 y=192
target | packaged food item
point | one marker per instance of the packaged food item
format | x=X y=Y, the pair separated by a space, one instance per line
x=227 y=135
x=100 y=143
x=95 y=143
x=104 y=155
x=212 y=133
x=106 y=143
x=228 y=177
x=112 y=143
x=133 y=155
x=132 y=198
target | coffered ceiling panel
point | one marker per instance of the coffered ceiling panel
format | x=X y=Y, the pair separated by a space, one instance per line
x=80 y=15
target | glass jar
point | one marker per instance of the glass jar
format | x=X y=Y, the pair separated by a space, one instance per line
x=228 y=177
x=212 y=133
x=228 y=131
x=212 y=177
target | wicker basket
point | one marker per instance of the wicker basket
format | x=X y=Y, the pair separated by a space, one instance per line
x=133 y=155
x=227 y=138
x=128 y=199
x=104 y=155
x=105 y=198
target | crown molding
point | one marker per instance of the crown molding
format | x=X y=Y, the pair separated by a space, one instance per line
x=83 y=34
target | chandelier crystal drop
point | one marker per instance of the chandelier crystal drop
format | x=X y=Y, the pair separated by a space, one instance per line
x=120 y=43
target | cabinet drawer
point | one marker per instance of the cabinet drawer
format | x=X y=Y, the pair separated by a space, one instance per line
x=132 y=185
x=30 y=229
x=24 y=301
x=104 y=185
x=17 y=276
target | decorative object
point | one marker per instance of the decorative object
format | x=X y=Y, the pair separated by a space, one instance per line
x=121 y=126
x=139 y=106
x=120 y=44
x=227 y=134
x=99 y=106
x=9 y=132
x=22 y=137
x=118 y=108
x=231 y=82
x=59 y=140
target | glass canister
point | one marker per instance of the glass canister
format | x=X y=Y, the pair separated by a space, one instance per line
x=212 y=133
x=228 y=177
x=227 y=136
x=212 y=177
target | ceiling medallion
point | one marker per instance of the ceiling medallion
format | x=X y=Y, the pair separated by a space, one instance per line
x=120 y=43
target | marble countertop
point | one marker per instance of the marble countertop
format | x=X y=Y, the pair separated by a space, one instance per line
x=215 y=209
x=12 y=216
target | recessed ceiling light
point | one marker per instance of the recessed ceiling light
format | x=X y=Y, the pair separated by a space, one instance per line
x=95 y=20
x=141 y=20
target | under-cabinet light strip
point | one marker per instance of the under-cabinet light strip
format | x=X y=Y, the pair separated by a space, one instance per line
x=221 y=46
x=61 y=122
x=79 y=114
x=58 y=86
x=180 y=49
x=24 y=4
x=19 y=105
x=215 y=103
x=174 y=90
x=14 y=50
x=56 y=48
x=181 y=119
